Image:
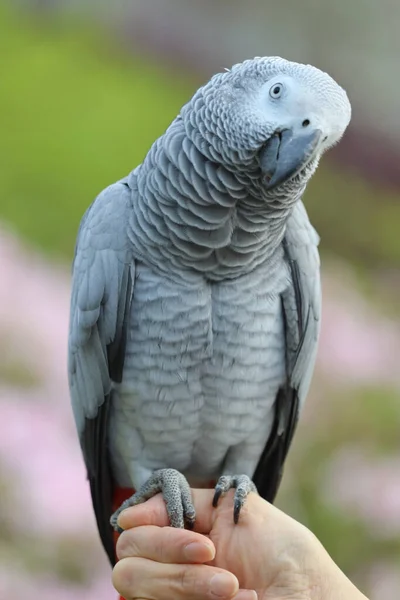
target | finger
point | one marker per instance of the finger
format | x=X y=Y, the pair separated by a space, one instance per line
x=165 y=545
x=153 y=512
x=143 y=578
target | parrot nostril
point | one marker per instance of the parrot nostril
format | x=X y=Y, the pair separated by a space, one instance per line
x=306 y=122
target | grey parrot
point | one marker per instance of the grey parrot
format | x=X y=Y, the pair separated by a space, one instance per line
x=196 y=301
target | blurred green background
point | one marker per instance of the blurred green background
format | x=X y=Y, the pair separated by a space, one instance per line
x=85 y=89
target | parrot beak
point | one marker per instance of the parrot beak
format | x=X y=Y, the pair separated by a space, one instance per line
x=286 y=153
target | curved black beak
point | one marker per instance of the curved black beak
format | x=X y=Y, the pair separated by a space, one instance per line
x=286 y=153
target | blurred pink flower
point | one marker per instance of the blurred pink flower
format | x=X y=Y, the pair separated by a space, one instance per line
x=34 y=303
x=47 y=463
x=383 y=581
x=357 y=344
x=13 y=586
x=366 y=486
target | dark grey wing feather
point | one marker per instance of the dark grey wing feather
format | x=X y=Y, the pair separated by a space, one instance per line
x=102 y=287
x=301 y=311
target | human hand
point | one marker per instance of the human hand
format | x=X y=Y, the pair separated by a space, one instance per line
x=267 y=552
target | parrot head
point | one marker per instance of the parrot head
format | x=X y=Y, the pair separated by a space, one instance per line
x=270 y=118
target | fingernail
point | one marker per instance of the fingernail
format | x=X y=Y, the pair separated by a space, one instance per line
x=223 y=585
x=198 y=552
x=246 y=595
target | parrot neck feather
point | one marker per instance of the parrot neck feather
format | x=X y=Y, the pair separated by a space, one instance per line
x=192 y=211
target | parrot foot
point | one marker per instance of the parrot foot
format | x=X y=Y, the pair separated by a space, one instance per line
x=243 y=485
x=176 y=493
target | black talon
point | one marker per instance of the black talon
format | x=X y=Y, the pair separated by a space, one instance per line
x=217 y=496
x=236 y=511
x=190 y=521
x=243 y=486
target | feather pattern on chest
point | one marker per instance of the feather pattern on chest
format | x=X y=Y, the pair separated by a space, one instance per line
x=203 y=364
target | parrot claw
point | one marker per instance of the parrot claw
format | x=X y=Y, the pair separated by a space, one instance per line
x=243 y=486
x=176 y=493
x=217 y=496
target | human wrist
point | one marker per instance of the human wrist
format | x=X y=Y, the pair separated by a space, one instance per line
x=328 y=582
x=339 y=587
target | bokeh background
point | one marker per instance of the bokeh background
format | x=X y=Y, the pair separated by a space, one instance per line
x=85 y=88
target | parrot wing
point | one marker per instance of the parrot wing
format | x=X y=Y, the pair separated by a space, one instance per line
x=301 y=311
x=102 y=288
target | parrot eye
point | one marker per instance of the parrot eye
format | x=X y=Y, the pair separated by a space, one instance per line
x=276 y=90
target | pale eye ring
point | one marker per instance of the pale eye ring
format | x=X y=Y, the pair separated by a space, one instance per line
x=276 y=90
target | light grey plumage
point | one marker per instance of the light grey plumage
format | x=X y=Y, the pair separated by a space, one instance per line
x=195 y=305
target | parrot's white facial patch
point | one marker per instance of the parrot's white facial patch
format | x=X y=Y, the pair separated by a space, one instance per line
x=304 y=112
x=238 y=112
x=307 y=99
